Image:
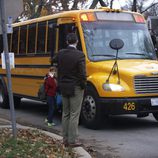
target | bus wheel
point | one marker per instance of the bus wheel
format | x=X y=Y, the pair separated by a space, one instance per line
x=91 y=115
x=155 y=116
x=4 y=100
x=17 y=101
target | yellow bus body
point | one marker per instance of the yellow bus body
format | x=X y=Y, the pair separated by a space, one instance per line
x=30 y=68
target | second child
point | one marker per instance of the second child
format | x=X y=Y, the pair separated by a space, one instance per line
x=50 y=89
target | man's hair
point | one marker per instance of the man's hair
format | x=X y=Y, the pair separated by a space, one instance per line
x=71 y=38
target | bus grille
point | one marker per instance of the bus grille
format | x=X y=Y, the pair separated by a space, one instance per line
x=146 y=85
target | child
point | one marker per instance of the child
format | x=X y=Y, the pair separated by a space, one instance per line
x=50 y=89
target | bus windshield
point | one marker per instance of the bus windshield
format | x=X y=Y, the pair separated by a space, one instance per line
x=136 y=38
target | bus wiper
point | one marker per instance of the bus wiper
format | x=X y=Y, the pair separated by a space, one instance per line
x=147 y=56
x=137 y=54
x=108 y=55
x=103 y=55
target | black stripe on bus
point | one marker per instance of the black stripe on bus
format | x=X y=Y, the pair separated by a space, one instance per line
x=30 y=66
x=24 y=76
x=32 y=55
x=26 y=96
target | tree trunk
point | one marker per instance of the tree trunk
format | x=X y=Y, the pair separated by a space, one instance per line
x=95 y=2
x=111 y=4
x=74 y=7
x=134 y=6
x=64 y=5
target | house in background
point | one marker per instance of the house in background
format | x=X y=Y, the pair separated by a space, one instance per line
x=152 y=22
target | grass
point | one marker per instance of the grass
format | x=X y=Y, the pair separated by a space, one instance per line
x=31 y=144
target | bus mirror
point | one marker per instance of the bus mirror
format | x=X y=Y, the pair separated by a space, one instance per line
x=116 y=44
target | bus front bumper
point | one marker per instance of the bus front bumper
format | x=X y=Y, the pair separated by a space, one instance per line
x=116 y=106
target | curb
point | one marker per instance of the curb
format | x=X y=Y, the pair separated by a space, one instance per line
x=79 y=150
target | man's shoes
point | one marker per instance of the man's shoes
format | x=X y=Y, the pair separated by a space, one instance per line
x=50 y=124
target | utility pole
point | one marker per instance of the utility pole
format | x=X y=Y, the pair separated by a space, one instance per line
x=7 y=63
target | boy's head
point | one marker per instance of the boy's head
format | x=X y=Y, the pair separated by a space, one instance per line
x=52 y=69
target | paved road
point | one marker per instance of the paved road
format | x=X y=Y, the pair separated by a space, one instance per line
x=120 y=137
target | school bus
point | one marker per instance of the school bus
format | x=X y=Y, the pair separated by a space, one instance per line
x=121 y=81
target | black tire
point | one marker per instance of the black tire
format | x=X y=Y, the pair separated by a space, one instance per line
x=4 y=99
x=17 y=102
x=91 y=114
x=155 y=116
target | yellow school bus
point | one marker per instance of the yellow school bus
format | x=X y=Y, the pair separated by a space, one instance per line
x=120 y=80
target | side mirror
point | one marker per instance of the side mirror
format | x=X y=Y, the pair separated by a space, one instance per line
x=116 y=44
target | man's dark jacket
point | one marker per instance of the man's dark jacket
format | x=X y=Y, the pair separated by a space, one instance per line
x=71 y=69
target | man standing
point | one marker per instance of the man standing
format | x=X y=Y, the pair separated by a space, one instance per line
x=72 y=82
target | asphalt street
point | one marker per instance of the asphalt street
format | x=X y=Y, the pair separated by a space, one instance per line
x=120 y=136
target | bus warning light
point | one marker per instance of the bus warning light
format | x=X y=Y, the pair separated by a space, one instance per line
x=87 y=17
x=139 y=18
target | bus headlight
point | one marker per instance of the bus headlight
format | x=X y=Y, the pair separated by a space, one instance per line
x=113 y=87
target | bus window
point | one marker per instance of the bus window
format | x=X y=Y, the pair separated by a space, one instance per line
x=1 y=44
x=22 y=49
x=15 y=39
x=41 y=37
x=9 y=41
x=135 y=37
x=51 y=37
x=31 y=38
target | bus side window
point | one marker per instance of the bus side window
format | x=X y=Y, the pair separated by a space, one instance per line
x=41 y=37
x=31 y=38
x=15 y=40
x=22 y=47
x=9 y=41
x=51 y=37
x=1 y=44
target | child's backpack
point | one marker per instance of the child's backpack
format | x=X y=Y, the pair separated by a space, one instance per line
x=58 y=100
x=41 y=92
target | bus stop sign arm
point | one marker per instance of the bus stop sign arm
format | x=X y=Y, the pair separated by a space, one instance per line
x=8 y=72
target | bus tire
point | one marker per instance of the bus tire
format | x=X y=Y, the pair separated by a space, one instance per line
x=155 y=114
x=4 y=99
x=91 y=115
x=17 y=101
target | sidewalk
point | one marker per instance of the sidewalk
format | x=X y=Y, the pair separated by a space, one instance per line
x=83 y=153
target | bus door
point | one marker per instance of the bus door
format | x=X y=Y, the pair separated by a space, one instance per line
x=66 y=26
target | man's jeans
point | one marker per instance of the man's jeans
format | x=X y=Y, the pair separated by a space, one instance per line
x=70 y=115
x=51 y=104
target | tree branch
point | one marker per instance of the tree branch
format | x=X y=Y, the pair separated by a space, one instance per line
x=149 y=7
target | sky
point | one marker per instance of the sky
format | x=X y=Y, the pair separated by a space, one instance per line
x=118 y=3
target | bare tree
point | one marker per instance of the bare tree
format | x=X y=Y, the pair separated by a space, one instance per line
x=111 y=4
x=153 y=7
x=95 y=2
x=139 y=5
x=37 y=8
x=134 y=5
